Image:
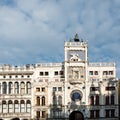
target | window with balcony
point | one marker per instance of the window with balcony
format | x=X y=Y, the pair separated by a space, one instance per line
x=54 y=100
x=37 y=100
x=43 y=114
x=28 y=88
x=16 y=88
x=38 y=114
x=59 y=100
x=107 y=100
x=10 y=106
x=16 y=106
x=43 y=100
x=112 y=99
x=4 y=88
x=97 y=100
x=4 y=107
x=10 y=88
x=28 y=106
x=22 y=106
x=22 y=88
x=94 y=113
x=110 y=113
x=92 y=100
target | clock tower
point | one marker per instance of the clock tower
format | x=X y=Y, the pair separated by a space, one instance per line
x=76 y=62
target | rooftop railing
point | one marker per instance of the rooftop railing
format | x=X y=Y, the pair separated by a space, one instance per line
x=107 y=64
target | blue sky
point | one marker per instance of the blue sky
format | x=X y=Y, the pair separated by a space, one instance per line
x=34 y=31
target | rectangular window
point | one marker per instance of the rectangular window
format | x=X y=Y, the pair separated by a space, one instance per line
x=46 y=73
x=90 y=72
x=38 y=114
x=59 y=88
x=16 y=108
x=28 y=109
x=107 y=113
x=105 y=73
x=110 y=72
x=4 y=108
x=94 y=88
x=41 y=73
x=54 y=89
x=43 y=89
x=43 y=114
x=22 y=108
x=113 y=113
x=37 y=89
x=96 y=72
x=91 y=113
x=97 y=113
x=61 y=72
x=56 y=73
x=110 y=88
x=10 y=108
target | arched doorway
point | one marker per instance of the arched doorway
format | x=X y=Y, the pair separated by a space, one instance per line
x=15 y=119
x=76 y=115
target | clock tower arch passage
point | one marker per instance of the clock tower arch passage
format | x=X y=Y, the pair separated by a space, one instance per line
x=76 y=115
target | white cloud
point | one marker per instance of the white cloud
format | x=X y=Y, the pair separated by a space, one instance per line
x=35 y=30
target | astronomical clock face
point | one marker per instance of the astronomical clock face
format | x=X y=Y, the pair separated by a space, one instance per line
x=76 y=95
x=76 y=55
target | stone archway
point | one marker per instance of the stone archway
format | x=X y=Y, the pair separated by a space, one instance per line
x=76 y=115
x=15 y=119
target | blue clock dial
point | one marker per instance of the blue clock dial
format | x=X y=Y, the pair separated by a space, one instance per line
x=76 y=96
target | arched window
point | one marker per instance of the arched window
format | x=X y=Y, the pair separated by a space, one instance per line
x=4 y=107
x=43 y=100
x=28 y=106
x=59 y=100
x=37 y=100
x=16 y=106
x=22 y=106
x=92 y=100
x=4 y=88
x=10 y=106
x=22 y=88
x=0 y=88
x=54 y=100
x=112 y=99
x=28 y=88
x=16 y=88
x=97 y=99
x=10 y=87
x=107 y=100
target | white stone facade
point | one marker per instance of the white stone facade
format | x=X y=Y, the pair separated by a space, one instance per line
x=60 y=90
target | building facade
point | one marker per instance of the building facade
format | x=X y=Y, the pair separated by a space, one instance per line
x=73 y=90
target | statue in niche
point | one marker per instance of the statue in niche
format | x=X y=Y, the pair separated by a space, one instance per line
x=75 y=57
x=75 y=75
